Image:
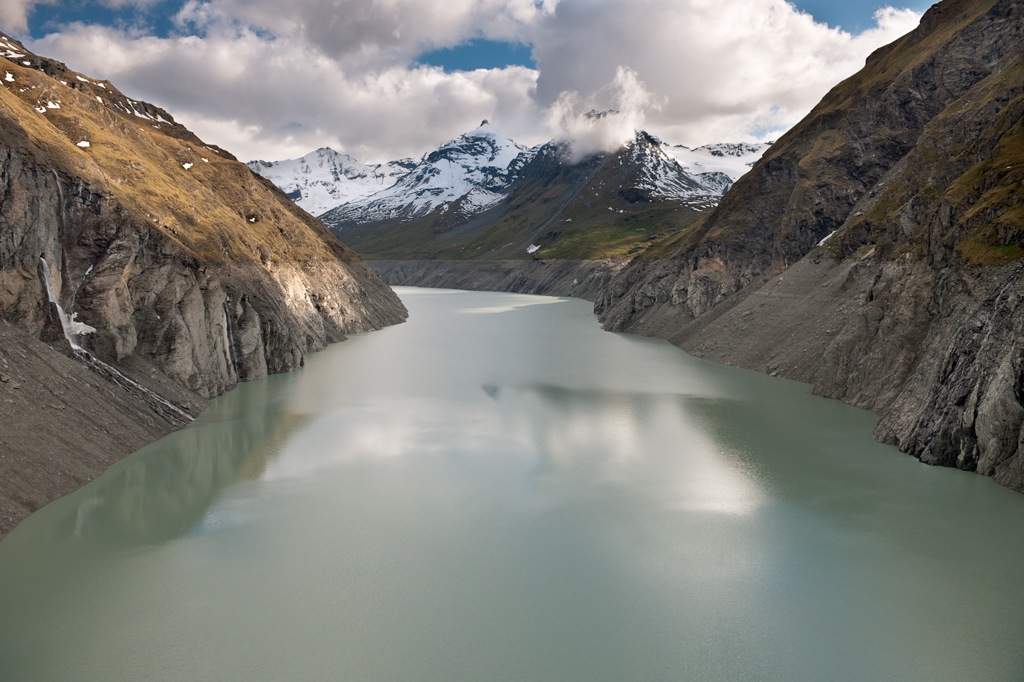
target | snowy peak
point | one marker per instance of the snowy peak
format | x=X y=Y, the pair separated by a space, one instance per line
x=467 y=174
x=326 y=178
x=661 y=176
x=478 y=169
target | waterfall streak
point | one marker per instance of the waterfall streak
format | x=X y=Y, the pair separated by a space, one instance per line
x=72 y=329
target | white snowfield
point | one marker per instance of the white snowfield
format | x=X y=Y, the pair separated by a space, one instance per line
x=733 y=159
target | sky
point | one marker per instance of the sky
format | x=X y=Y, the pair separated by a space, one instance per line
x=388 y=79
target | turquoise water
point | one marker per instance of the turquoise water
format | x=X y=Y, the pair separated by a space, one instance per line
x=499 y=490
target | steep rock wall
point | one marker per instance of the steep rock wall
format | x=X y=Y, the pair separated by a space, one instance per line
x=586 y=279
x=875 y=250
x=206 y=326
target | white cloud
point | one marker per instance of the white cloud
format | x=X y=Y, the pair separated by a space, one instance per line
x=14 y=15
x=723 y=68
x=267 y=83
x=263 y=97
x=603 y=121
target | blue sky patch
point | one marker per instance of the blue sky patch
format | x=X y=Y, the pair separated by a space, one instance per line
x=854 y=17
x=156 y=19
x=479 y=54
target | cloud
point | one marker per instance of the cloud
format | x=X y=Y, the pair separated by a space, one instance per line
x=723 y=69
x=267 y=83
x=371 y=34
x=14 y=15
x=268 y=97
x=603 y=121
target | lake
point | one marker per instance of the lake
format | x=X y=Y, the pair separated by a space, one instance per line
x=500 y=490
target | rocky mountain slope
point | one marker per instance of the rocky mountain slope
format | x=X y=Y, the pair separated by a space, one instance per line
x=470 y=181
x=324 y=179
x=597 y=208
x=164 y=266
x=877 y=249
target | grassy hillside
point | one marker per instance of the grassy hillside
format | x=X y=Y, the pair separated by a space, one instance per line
x=198 y=195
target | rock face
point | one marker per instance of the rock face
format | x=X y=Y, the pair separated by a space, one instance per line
x=193 y=272
x=586 y=279
x=876 y=249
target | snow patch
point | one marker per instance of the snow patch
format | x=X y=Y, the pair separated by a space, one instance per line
x=731 y=159
x=827 y=237
x=186 y=166
x=84 y=144
x=9 y=78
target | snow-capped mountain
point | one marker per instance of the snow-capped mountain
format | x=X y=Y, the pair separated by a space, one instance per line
x=467 y=174
x=662 y=176
x=323 y=179
x=731 y=159
x=481 y=170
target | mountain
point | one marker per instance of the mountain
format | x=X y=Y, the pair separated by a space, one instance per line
x=876 y=250
x=602 y=206
x=324 y=179
x=141 y=272
x=466 y=175
x=392 y=210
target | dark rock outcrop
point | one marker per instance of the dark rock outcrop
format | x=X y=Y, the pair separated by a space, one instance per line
x=875 y=250
x=585 y=279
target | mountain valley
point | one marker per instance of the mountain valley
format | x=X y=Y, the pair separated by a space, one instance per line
x=181 y=272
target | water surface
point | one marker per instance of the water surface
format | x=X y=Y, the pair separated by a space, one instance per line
x=499 y=490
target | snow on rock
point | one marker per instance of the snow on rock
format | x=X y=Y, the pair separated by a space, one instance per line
x=827 y=237
x=324 y=178
x=729 y=159
x=469 y=174
x=474 y=172
x=663 y=177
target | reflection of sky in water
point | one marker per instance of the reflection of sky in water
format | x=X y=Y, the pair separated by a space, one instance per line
x=499 y=490
x=497 y=380
x=565 y=439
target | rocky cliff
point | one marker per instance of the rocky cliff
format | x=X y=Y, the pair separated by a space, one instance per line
x=876 y=249
x=183 y=269
x=586 y=279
